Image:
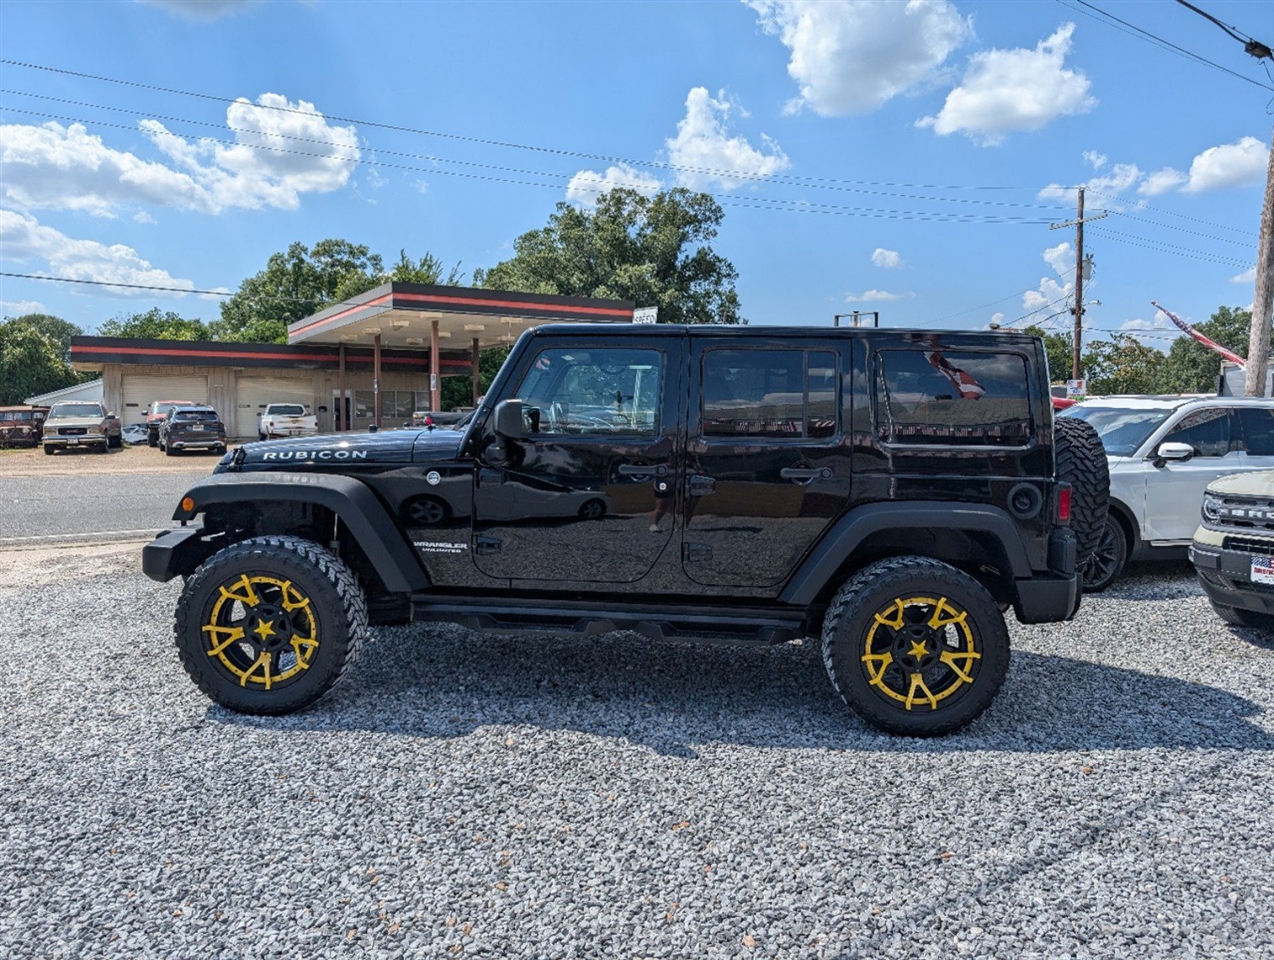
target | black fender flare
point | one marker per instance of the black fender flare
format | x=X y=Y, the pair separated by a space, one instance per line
x=363 y=515
x=860 y=523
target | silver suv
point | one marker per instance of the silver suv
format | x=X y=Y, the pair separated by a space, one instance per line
x=1163 y=452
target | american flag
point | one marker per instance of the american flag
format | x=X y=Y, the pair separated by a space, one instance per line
x=968 y=387
x=1210 y=344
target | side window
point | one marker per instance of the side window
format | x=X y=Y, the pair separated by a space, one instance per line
x=593 y=391
x=1258 y=431
x=1207 y=431
x=777 y=394
x=936 y=397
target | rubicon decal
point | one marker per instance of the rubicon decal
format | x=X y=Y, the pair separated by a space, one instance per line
x=315 y=455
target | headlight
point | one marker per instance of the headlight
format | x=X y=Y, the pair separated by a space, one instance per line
x=1211 y=508
x=94 y=429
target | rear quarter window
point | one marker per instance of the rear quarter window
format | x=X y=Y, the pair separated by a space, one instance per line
x=952 y=398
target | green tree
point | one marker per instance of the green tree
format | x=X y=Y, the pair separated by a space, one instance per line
x=1058 y=348
x=653 y=251
x=55 y=328
x=1193 y=368
x=155 y=324
x=1122 y=364
x=295 y=284
x=31 y=362
x=458 y=391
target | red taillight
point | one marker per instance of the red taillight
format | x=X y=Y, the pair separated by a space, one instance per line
x=1063 y=503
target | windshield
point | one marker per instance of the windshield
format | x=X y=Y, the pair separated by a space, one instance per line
x=190 y=416
x=1121 y=430
x=286 y=410
x=75 y=410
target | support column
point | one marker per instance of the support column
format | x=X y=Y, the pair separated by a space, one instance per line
x=476 y=367
x=376 y=380
x=435 y=387
x=342 y=418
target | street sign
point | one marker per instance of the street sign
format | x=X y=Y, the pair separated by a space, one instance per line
x=645 y=314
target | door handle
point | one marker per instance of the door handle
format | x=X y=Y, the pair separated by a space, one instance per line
x=806 y=473
x=643 y=470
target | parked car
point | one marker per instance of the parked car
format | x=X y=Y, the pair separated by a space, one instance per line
x=80 y=423
x=890 y=492
x=1163 y=452
x=192 y=428
x=134 y=433
x=22 y=426
x=437 y=418
x=157 y=414
x=286 y=420
x=1233 y=548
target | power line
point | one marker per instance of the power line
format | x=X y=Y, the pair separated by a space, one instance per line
x=1158 y=41
x=139 y=286
x=599 y=184
x=1250 y=44
x=1141 y=205
x=436 y=159
x=483 y=141
x=1118 y=237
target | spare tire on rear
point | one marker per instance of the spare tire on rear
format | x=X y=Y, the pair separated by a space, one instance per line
x=1081 y=462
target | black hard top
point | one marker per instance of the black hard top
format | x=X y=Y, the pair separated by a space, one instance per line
x=761 y=332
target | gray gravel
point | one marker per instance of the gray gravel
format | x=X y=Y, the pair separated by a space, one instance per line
x=500 y=797
x=76 y=506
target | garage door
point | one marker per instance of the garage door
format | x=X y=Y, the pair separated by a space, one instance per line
x=255 y=393
x=140 y=391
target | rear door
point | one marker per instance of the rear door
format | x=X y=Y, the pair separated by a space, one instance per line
x=765 y=469
x=586 y=494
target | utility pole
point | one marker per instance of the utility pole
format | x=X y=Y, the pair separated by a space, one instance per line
x=1078 y=223
x=1258 y=349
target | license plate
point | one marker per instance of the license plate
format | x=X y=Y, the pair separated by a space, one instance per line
x=73 y=441
x=1263 y=570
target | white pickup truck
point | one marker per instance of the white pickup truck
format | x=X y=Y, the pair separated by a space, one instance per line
x=286 y=420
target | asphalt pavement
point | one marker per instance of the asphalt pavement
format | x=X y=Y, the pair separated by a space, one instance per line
x=60 y=508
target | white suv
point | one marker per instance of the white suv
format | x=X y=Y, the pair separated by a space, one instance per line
x=1163 y=452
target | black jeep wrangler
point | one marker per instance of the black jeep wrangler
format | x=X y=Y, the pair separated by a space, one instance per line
x=892 y=492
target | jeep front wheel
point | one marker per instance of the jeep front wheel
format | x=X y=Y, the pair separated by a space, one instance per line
x=914 y=646
x=269 y=625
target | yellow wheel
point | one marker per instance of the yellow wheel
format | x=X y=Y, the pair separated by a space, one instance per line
x=269 y=625
x=915 y=646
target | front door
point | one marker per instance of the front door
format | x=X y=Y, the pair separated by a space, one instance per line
x=587 y=493
x=764 y=463
x=1175 y=489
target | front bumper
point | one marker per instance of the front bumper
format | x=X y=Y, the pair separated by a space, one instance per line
x=175 y=552
x=197 y=443
x=1226 y=577
x=83 y=440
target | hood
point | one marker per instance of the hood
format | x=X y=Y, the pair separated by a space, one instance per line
x=367 y=449
x=439 y=443
x=73 y=422
x=1259 y=484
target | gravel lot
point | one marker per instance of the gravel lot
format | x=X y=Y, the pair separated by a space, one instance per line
x=501 y=797
x=34 y=462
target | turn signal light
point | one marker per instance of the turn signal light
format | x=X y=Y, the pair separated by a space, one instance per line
x=188 y=504
x=1064 y=503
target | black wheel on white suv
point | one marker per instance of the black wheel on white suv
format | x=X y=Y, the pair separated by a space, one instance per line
x=1107 y=562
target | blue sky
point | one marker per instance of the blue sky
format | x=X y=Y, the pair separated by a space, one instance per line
x=900 y=157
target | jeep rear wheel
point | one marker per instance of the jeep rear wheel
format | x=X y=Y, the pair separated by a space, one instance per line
x=914 y=646
x=1081 y=462
x=269 y=625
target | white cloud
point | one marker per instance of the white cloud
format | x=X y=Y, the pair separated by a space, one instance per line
x=141 y=216
x=1014 y=90
x=205 y=10
x=873 y=296
x=1121 y=177
x=24 y=239
x=1048 y=297
x=18 y=308
x=997 y=318
x=215 y=294
x=1155 y=333
x=1061 y=258
x=708 y=155
x=1161 y=181
x=67 y=168
x=889 y=259
x=1096 y=160
x=587 y=185
x=852 y=57
x=1247 y=276
x=1237 y=164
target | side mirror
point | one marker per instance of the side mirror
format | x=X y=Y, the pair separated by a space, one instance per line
x=1173 y=451
x=508 y=419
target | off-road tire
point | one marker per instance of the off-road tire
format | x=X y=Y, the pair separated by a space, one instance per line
x=1081 y=462
x=1106 y=563
x=852 y=619
x=339 y=609
x=1243 y=618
